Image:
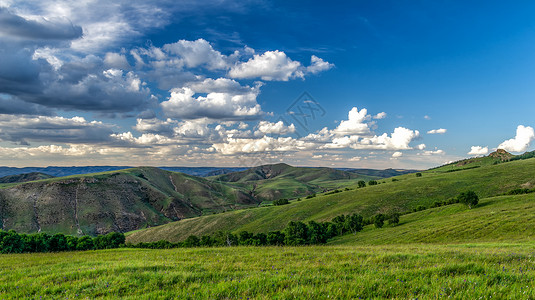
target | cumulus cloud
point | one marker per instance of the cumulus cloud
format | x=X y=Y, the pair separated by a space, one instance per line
x=276 y=66
x=229 y=105
x=522 y=140
x=397 y=154
x=398 y=140
x=264 y=144
x=279 y=128
x=354 y=125
x=478 y=150
x=420 y=147
x=380 y=115
x=197 y=53
x=437 y=131
x=24 y=129
x=318 y=65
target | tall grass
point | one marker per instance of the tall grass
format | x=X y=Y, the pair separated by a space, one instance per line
x=501 y=271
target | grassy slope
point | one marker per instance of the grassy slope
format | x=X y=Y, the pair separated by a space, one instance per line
x=115 y=200
x=499 y=271
x=495 y=219
x=403 y=195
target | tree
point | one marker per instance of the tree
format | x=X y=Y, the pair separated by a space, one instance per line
x=11 y=242
x=85 y=243
x=361 y=183
x=296 y=233
x=418 y=174
x=379 y=220
x=192 y=241
x=354 y=223
x=275 y=238
x=372 y=182
x=317 y=233
x=469 y=198
x=393 y=219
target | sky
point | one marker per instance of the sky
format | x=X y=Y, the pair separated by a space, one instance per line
x=347 y=84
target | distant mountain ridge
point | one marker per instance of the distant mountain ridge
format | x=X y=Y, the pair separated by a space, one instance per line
x=24 y=177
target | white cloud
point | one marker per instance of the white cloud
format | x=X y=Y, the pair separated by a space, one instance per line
x=355 y=124
x=318 y=65
x=397 y=154
x=231 y=106
x=277 y=66
x=399 y=140
x=437 y=131
x=431 y=152
x=522 y=140
x=197 y=53
x=427 y=117
x=266 y=127
x=478 y=150
x=420 y=147
x=261 y=145
x=272 y=65
x=380 y=115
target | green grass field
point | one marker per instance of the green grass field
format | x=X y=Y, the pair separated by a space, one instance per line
x=413 y=271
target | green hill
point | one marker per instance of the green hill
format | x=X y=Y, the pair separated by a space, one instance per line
x=495 y=219
x=113 y=201
x=400 y=194
x=271 y=182
x=24 y=177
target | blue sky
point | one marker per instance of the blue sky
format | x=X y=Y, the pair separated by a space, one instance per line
x=410 y=84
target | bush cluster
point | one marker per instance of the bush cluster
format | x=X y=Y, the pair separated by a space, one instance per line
x=13 y=242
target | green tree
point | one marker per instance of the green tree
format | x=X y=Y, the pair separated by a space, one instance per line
x=361 y=183
x=418 y=174
x=469 y=198
x=372 y=182
x=393 y=219
x=379 y=220
x=192 y=241
x=317 y=233
x=275 y=238
x=85 y=243
x=11 y=242
x=296 y=233
x=354 y=223
x=281 y=202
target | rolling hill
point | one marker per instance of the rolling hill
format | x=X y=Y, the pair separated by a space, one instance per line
x=400 y=194
x=25 y=177
x=113 y=201
x=271 y=182
x=130 y=199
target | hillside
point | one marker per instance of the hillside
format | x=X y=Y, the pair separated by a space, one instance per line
x=402 y=194
x=495 y=219
x=24 y=177
x=271 y=182
x=113 y=201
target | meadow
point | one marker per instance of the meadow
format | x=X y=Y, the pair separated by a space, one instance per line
x=411 y=271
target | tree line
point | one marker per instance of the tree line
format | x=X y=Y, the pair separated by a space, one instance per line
x=296 y=233
x=13 y=242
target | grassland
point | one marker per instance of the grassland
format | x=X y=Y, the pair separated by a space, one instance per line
x=402 y=195
x=502 y=271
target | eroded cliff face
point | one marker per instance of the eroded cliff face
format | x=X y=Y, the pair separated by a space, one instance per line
x=121 y=202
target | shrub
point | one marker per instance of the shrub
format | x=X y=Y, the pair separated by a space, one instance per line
x=372 y=182
x=418 y=174
x=281 y=202
x=361 y=183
